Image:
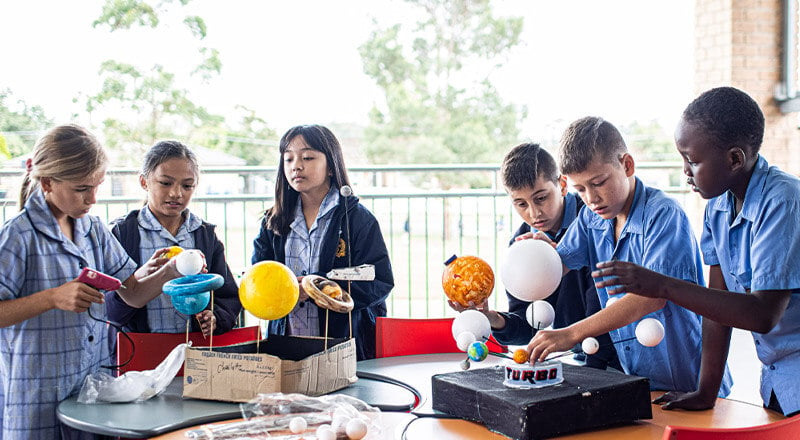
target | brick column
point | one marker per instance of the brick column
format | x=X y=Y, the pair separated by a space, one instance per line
x=738 y=43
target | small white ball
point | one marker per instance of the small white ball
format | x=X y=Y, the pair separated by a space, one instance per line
x=612 y=299
x=464 y=364
x=324 y=432
x=189 y=262
x=339 y=423
x=474 y=322
x=590 y=345
x=297 y=425
x=356 y=429
x=464 y=339
x=540 y=314
x=649 y=332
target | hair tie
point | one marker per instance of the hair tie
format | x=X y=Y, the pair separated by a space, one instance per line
x=28 y=165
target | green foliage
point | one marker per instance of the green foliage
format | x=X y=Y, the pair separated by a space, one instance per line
x=20 y=126
x=123 y=14
x=440 y=105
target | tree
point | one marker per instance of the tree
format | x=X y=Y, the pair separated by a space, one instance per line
x=20 y=125
x=440 y=105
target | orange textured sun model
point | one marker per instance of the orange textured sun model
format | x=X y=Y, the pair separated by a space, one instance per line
x=467 y=279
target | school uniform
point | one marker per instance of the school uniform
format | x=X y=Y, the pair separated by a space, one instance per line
x=141 y=234
x=335 y=249
x=657 y=235
x=759 y=249
x=45 y=359
x=573 y=300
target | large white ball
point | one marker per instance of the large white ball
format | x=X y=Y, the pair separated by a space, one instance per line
x=540 y=314
x=474 y=322
x=649 y=332
x=531 y=270
x=189 y=262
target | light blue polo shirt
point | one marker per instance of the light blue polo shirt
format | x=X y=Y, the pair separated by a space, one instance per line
x=658 y=236
x=45 y=359
x=760 y=250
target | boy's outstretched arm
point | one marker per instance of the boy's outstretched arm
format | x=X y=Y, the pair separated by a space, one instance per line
x=716 y=343
x=757 y=311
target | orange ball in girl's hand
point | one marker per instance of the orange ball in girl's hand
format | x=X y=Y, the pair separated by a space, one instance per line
x=467 y=279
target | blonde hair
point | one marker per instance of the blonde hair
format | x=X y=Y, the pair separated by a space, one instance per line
x=65 y=153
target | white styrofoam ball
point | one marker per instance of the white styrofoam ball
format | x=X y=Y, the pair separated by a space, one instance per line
x=612 y=299
x=297 y=425
x=464 y=339
x=474 y=322
x=649 y=332
x=531 y=270
x=356 y=429
x=540 y=314
x=590 y=345
x=189 y=262
x=324 y=432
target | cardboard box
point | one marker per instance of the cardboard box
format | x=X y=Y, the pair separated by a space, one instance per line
x=287 y=364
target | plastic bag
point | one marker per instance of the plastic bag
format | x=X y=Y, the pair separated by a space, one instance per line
x=273 y=416
x=133 y=386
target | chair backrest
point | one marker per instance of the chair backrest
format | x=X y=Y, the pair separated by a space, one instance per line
x=149 y=349
x=404 y=336
x=783 y=429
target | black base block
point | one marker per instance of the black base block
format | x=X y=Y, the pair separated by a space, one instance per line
x=588 y=398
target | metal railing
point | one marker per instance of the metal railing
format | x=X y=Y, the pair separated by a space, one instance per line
x=422 y=225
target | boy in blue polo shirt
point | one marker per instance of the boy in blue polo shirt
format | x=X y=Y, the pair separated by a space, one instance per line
x=626 y=220
x=539 y=195
x=749 y=240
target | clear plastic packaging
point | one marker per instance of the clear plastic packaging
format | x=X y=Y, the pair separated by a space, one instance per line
x=133 y=386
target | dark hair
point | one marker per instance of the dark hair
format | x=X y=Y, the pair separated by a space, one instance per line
x=586 y=139
x=730 y=115
x=524 y=164
x=65 y=153
x=165 y=150
x=280 y=216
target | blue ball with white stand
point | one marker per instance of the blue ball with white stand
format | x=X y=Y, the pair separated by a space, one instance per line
x=190 y=294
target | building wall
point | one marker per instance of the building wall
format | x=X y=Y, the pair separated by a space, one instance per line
x=738 y=43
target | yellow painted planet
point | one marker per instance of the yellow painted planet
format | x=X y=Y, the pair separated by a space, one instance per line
x=269 y=290
x=173 y=251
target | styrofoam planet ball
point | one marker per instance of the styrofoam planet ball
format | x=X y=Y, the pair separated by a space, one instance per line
x=590 y=345
x=649 y=332
x=356 y=429
x=464 y=339
x=531 y=270
x=189 y=262
x=474 y=322
x=477 y=351
x=540 y=314
x=467 y=279
x=269 y=290
x=612 y=299
x=324 y=432
x=297 y=425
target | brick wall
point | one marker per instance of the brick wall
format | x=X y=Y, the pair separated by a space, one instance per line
x=738 y=43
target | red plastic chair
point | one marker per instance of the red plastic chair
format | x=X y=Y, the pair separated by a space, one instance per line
x=150 y=349
x=784 y=429
x=402 y=336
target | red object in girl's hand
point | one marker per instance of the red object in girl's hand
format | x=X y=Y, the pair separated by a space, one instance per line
x=99 y=280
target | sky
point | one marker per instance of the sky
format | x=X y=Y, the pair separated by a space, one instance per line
x=298 y=62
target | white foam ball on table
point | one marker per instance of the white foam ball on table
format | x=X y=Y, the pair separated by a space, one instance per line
x=531 y=270
x=540 y=314
x=464 y=339
x=649 y=332
x=297 y=425
x=474 y=322
x=356 y=429
x=189 y=262
x=324 y=432
x=590 y=345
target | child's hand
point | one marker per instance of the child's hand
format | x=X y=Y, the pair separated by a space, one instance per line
x=207 y=321
x=625 y=277
x=693 y=401
x=153 y=264
x=303 y=295
x=483 y=306
x=537 y=236
x=546 y=342
x=75 y=296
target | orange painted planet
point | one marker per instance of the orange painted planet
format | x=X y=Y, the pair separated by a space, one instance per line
x=467 y=279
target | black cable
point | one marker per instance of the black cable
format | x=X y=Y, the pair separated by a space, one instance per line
x=120 y=330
